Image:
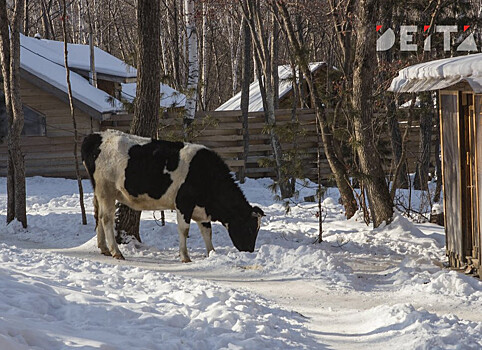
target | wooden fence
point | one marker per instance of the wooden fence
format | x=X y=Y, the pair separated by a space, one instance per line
x=223 y=132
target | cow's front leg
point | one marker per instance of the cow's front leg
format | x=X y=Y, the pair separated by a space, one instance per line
x=107 y=215
x=207 y=234
x=183 y=230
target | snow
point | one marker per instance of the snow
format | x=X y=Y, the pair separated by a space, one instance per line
x=53 y=72
x=45 y=60
x=79 y=57
x=439 y=74
x=361 y=288
x=169 y=96
x=255 y=99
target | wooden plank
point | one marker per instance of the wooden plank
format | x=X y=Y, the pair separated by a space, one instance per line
x=234 y=149
x=219 y=138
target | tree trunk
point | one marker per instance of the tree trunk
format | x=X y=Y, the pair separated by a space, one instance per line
x=397 y=146
x=10 y=62
x=421 y=175
x=72 y=114
x=381 y=206
x=25 y=18
x=45 y=20
x=274 y=57
x=204 y=64
x=146 y=107
x=438 y=162
x=193 y=63
x=396 y=143
x=247 y=77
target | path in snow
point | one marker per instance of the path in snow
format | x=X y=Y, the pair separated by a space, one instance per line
x=334 y=316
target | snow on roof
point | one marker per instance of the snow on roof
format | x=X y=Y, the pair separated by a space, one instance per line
x=53 y=73
x=169 y=96
x=255 y=99
x=79 y=57
x=439 y=74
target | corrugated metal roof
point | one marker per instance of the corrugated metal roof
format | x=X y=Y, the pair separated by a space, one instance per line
x=255 y=99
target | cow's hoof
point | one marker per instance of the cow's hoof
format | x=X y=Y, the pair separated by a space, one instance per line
x=106 y=253
x=186 y=260
x=118 y=256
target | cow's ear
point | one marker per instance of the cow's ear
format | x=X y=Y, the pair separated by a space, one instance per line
x=257 y=212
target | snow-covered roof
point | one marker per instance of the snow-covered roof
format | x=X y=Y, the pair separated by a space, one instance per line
x=440 y=74
x=44 y=59
x=79 y=57
x=52 y=72
x=169 y=96
x=255 y=99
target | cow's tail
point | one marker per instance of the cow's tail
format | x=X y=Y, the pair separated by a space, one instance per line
x=90 y=150
x=96 y=211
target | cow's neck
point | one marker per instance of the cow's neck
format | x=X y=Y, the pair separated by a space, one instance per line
x=229 y=204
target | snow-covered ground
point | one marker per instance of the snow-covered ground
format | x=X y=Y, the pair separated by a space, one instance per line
x=359 y=289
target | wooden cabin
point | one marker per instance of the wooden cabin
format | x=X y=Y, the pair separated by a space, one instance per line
x=48 y=138
x=460 y=102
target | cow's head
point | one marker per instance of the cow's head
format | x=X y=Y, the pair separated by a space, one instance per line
x=244 y=230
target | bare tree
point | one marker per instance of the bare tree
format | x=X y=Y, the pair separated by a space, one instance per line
x=252 y=12
x=373 y=176
x=72 y=114
x=10 y=62
x=246 y=77
x=336 y=165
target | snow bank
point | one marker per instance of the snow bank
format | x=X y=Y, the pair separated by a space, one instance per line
x=51 y=301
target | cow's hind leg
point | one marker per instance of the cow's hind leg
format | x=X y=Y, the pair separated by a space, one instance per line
x=106 y=216
x=183 y=230
x=207 y=234
x=99 y=227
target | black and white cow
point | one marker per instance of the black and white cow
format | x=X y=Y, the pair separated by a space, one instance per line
x=147 y=174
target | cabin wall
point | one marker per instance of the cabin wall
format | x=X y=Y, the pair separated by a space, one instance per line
x=478 y=118
x=452 y=176
x=50 y=155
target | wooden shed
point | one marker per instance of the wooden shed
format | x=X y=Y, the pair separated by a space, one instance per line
x=47 y=139
x=459 y=83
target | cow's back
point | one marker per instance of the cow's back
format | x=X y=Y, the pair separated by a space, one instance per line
x=140 y=172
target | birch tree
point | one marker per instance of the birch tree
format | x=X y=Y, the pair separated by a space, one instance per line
x=193 y=62
x=204 y=51
x=10 y=62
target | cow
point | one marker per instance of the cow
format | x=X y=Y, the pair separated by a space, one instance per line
x=150 y=174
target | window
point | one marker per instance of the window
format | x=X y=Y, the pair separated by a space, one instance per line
x=34 y=122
